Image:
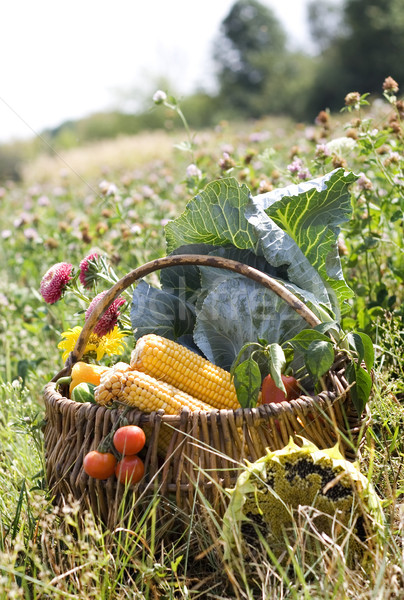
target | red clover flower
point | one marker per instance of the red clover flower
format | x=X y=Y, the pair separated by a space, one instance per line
x=87 y=270
x=55 y=281
x=110 y=317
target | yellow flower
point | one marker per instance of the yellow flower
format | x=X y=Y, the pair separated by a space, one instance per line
x=111 y=343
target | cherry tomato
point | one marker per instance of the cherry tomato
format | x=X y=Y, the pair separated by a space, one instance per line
x=129 y=439
x=99 y=465
x=130 y=469
x=271 y=393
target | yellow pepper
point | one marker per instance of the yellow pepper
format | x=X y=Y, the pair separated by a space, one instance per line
x=84 y=372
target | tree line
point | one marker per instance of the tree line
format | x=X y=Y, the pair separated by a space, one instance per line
x=358 y=44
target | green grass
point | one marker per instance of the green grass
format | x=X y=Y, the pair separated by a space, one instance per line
x=54 y=216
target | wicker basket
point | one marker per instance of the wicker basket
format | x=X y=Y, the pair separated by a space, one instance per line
x=206 y=449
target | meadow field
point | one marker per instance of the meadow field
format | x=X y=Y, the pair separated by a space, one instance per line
x=115 y=198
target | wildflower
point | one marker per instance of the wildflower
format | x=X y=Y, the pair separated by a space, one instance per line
x=323 y=118
x=63 y=226
x=265 y=186
x=342 y=145
x=110 y=343
x=394 y=124
x=295 y=166
x=34 y=190
x=228 y=148
x=310 y=133
x=55 y=281
x=304 y=174
x=59 y=191
x=294 y=151
x=110 y=317
x=226 y=162
x=159 y=97
x=259 y=136
x=101 y=228
x=393 y=158
x=364 y=183
x=352 y=99
x=193 y=171
x=390 y=85
x=21 y=220
x=51 y=243
x=4 y=300
x=88 y=270
x=135 y=229
x=400 y=108
x=322 y=151
x=30 y=233
x=43 y=201
x=338 y=161
x=352 y=133
x=107 y=188
x=147 y=191
x=249 y=155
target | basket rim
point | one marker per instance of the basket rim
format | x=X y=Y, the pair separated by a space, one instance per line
x=303 y=404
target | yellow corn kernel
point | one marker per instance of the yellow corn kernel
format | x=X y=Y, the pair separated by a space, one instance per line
x=147 y=394
x=109 y=388
x=184 y=369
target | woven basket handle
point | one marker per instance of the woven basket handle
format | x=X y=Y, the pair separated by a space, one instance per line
x=175 y=260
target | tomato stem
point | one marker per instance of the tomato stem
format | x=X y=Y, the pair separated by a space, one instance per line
x=106 y=445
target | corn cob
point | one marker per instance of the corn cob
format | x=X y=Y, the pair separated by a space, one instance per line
x=148 y=394
x=109 y=388
x=184 y=369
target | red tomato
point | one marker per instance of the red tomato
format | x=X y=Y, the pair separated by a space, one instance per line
x=271 y=393
x=99 y=465
x=129 y=439
x=130 y=469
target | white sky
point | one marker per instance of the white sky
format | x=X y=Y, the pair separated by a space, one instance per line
x=61 y=60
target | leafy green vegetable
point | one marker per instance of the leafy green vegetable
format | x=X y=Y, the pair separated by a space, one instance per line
x=305 y=337
x=364 y=348
x=237 y=311
x=277 y=361
x=290 y=234
x=247 y=381
x=157 y=311
x=215 y=216
x=362 y=385
x=311 y=213
x=319 y=357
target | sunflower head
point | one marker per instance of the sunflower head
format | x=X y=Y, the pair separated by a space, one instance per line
x=273 y=493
